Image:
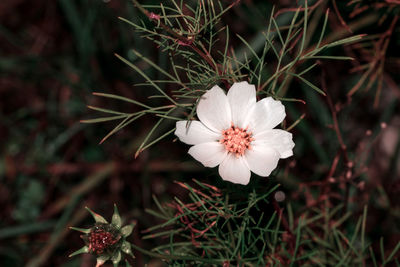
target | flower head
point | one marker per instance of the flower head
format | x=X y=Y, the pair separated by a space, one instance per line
x=102 y=237
x=106 y=240
x=237 y=133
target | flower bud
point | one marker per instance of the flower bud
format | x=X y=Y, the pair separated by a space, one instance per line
x=106 y=240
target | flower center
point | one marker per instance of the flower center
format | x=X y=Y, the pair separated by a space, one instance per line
x=99 y=240
x=236 y=140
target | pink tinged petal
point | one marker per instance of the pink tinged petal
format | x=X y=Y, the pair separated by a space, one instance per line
x=241 y=96
x=214 y=111
x=195 y=132
x=280 y=140
x=262 y=159
x=209 y=154
x=234 y=169
x=266 y=114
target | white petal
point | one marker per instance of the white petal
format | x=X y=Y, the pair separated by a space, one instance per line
x=214 y=111
x=280 y=140
x=209 y=154
x=262 y=159
x=241 y=96
x=234 y=170
x=266 y=114
x=195 y=132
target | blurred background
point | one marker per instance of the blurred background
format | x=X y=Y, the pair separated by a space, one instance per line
x=55 y=54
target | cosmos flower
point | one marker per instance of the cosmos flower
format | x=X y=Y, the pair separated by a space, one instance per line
x=236 y=132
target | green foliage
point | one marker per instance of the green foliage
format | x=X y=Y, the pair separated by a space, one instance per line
x=211 y=228
x=199 y=59
x=202 y=51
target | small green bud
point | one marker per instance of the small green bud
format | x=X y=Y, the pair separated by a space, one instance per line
x=101 y=260
x=97 y=217
x=116 y=219
x=116 y=258
x=127 y=230
x=106 y=240
x=126 y=248
x=85 y=249
x=82 y=230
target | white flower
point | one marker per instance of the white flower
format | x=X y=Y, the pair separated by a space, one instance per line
x=236 y=133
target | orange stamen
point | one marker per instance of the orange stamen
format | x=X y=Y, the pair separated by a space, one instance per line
x=236 y=140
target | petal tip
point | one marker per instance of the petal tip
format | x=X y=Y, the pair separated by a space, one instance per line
x=236 y=180
x=234 y=170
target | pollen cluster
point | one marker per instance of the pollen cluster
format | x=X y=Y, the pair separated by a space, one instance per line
x=236 y=140
x=99 y=240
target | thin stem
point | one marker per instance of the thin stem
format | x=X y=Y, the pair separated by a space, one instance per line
x=186 y=41
x=285 y=223
x=174 y=257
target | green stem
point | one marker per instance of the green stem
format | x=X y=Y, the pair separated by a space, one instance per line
x=206 y=56
x=174 y=257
